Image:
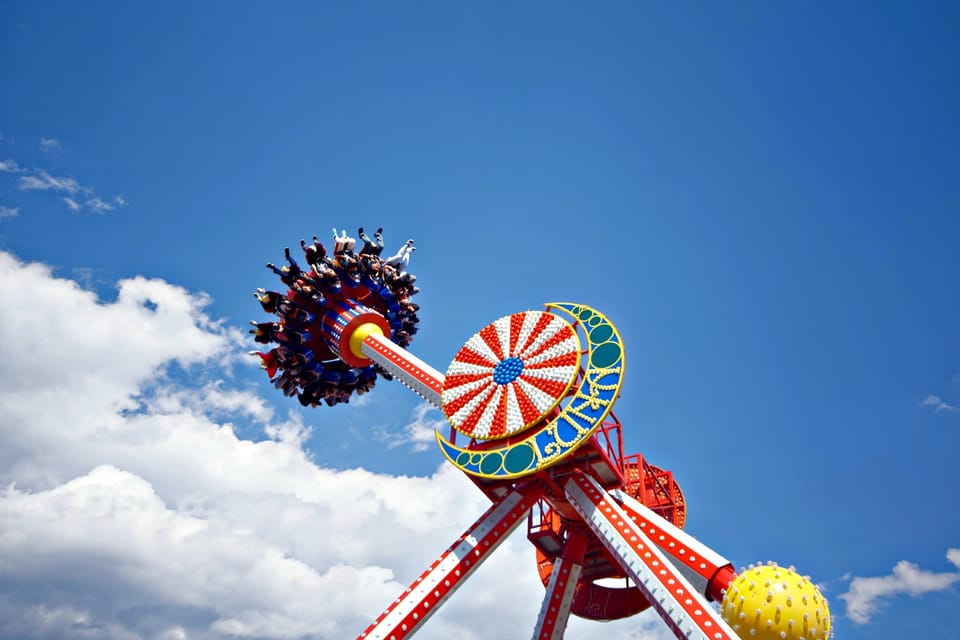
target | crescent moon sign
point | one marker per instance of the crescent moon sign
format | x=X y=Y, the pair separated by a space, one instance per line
x=574 y=424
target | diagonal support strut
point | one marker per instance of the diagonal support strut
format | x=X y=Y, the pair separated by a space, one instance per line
x=555 y=610
x=706 y=569
x=686 y=612
x=405 y=616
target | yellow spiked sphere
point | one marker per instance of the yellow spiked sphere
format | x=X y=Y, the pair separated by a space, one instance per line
x=768 y=602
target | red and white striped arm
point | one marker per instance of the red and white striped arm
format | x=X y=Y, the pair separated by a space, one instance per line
x=555 y=610
x=686 y=612
x=410 y=370
x=706 y=569
x=437 y=583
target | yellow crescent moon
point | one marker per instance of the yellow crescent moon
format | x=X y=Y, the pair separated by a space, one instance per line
x=593 y=399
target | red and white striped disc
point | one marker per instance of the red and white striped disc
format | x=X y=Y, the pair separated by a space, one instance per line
x=510 y=374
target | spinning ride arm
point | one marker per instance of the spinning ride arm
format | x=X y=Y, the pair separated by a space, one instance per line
x=410 y=370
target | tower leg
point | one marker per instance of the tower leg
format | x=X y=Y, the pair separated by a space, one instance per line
x=555 y=609
x=404 y=617
x=686 y=612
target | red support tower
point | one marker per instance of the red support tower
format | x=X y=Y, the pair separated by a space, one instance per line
x=534 y=408
x=571 y=451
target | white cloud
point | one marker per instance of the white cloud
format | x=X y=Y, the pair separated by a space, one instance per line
x=133 y=510
x=84 y=276
x=419 y=432
x=866 y=594
x=50 y=144
x=40 y=180
x=9 y=212
x=98 y=205
x=938 y=405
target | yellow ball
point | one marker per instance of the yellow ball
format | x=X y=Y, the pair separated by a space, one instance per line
x=768 y=602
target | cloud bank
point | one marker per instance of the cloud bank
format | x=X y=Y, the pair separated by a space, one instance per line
x=131 y=508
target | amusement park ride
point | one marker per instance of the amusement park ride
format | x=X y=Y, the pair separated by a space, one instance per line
x=530 y=397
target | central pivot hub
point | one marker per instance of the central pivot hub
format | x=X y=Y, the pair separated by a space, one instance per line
x=508 y=370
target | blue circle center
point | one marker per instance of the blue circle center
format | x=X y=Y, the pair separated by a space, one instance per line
x=507 y=370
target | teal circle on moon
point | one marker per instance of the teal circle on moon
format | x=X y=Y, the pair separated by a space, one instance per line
x=463 y=459
x=605 y=355
x=586 y=314
x=518 y=459
x=491 y=463
x=601 y=334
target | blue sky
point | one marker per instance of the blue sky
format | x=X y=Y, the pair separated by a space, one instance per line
x=764 y=199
